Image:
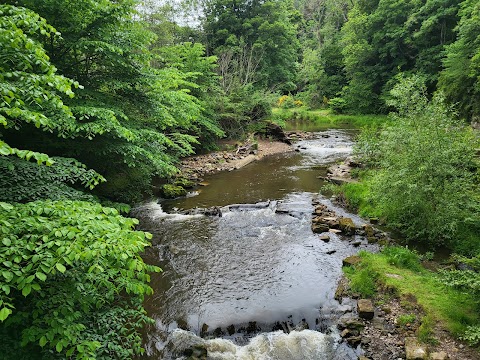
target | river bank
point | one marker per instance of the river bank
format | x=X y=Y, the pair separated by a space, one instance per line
x=235 y=155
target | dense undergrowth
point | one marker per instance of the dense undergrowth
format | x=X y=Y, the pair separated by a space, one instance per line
x=420 y=176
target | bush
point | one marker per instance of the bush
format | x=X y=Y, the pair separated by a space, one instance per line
x=337 y=105
x=73 y=281
x=427 y=181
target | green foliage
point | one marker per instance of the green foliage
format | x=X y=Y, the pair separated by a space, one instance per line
x=460 y=78
x=472 y=335
x=72 y=281
x=22 y=181
x=337 y=105
x=363 y=278
x=426 y=182
x=170 y=191
x=405 y=319
x=78 y=266
x=129 y=114
x=383 y=38
x=259 y=36
x=30 y=88
x=402 y=257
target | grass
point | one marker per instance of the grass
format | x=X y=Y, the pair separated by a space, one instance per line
x=451 y=308
x=311 y=120
x=406 y=319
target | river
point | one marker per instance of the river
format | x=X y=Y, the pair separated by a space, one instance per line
x=254 y=283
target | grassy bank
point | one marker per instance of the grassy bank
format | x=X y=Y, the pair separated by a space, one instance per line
x=311 y=120
x=398 y=272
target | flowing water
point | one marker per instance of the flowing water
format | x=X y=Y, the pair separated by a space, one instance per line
x=248 y=284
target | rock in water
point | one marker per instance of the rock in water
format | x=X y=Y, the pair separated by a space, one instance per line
x=365 y=309
x=170 y=191
x=347 y=226
x=319 y=228
x=325 y=238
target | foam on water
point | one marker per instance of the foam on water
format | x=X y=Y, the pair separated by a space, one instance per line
x=297 y=345
x=154 y=211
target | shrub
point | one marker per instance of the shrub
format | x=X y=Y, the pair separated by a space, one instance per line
x=337 y=105
x=73 y=281
x=427 y=179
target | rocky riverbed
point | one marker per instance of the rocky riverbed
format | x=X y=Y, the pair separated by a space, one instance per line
x=385 y=327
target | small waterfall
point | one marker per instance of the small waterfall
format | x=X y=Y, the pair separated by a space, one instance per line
x=297 y=345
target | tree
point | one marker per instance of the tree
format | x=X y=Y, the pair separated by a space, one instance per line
x=383 y=38
x=460 y=78
x=133 y=121
x=72 y=280
x=265 y=30
x=322 y=74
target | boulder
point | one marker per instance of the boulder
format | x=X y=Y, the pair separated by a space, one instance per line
x=365 y=309
x=372 y=239
x=231 y=330
x=185 y=183
x=354 y=340
x=351 y=324
x=369 y=230
x=347 y=226
x=319 y=228
x=342 y=288
x=170 y=191
x=351 y=260
x=331 y=221
x=414 y=350
x=276 y=132
x=213 y=211
x=325 y=238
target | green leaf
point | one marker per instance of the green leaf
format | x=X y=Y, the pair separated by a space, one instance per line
x=43 y=341
x=7 y=242
x=59 y=347
x=41 y=276
x=26 y=290
x=4 y=313
x=8 y=275
x=60 y=267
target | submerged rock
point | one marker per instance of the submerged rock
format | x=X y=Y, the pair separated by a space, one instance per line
x=198 y=352
x=325 y=238
x=213 y=211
